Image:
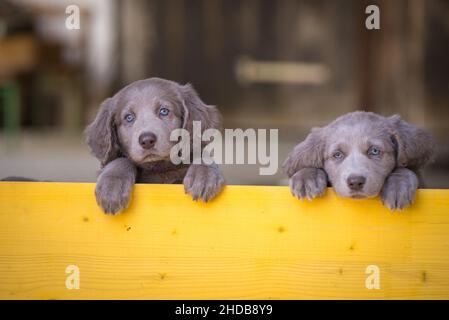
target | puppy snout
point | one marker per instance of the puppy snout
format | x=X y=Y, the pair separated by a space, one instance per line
x=356 y=183
x=147 y=140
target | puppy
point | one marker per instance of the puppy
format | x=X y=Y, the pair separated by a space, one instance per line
x=131 y=137
x=361 y=154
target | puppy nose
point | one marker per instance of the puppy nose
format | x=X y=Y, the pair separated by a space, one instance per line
x=356 y=182
x=147 y=140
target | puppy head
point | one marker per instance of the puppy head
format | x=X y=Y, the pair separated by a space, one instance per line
x=138 y=120
x=359 y=155
x=359 y=150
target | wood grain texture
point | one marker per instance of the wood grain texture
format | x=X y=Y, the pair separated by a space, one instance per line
x=252 y=242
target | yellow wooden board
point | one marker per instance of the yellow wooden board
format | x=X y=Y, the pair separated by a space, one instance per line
x=252 y=242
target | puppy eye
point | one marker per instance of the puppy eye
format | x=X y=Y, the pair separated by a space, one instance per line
x=129 y=117
x=373 y=151
x=164 y=111
x=338 y=155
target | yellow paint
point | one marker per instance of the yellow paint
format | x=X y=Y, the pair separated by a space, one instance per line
x=252 y=242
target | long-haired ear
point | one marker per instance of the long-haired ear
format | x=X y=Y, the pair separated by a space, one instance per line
x=309 y=153
x=101 y=135
x=196 y=110
x=414 y=146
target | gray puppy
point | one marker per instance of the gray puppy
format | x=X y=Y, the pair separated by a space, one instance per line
x=361 y=154
x=131 y=137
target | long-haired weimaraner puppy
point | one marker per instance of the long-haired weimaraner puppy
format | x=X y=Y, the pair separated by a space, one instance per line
x=361 y=155
x=131 y=137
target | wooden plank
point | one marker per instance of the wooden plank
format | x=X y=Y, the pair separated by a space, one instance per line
x=251 y=242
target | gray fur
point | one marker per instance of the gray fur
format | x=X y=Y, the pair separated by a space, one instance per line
x=403 y=147
x=124 y=160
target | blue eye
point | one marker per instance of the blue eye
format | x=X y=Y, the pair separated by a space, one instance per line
x=338 y=155
x=129 y=117
x=373 y=151
x=164 y=111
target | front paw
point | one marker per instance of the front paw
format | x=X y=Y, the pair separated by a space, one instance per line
x=203 y=181
x=399 y=190
x=308 y=183
x=113 y=194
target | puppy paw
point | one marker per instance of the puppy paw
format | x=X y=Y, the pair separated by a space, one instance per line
x=113 y=194
x=203 y=181
x=399 y=190
x=308 y=183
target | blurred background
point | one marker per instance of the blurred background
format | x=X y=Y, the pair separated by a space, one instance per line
x=285 y=64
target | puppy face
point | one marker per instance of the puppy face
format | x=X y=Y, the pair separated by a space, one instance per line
x=145 y=118
x=138 y=120
x=358 y=157
x=359 y=150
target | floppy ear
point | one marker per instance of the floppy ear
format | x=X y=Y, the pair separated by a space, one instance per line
x=309 y=153
x=414 y=146
x=196 y=110
x=101 y=135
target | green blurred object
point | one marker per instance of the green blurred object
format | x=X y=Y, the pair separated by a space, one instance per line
x=9 y=93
